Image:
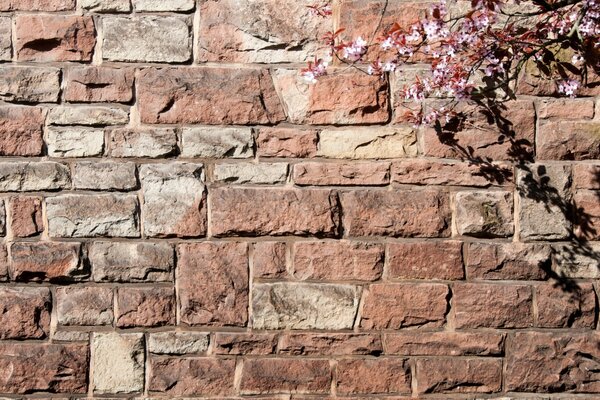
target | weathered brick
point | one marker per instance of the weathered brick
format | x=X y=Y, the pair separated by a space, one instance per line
x=70 y=336
x=396 y=213
x=43 y=367
x=339 y=98
x=396 y=306
x=57 y=38
x=479 y=305
x=568 y=141
x=535 y=83
x=303 y=306
x=213 y=283
x=426 y=172
x=192 y=376
x=587 y=215
x=131 y=262
x=21 y=130
x=358 y=173
x=104 y=175
x=2 y=218
x=507 y=261
x=88 y=115
x=208 y=142
x=33 y=176
x=586 y=176
x=24 y=314
x=105 y=6
x=147 y=306
x=98 y=84
x=159 y=5
x=248 y=172
x=560 y=307
x=37 y=5
x=426 y=260
x=102 y=215
x=338 y=261
x=29 y=84
x=286 y=142
x=3 y=263
x=281 y=212
x=178 y=342
x=84 y=305
x=74 y=142
x=188 y=95
x=43 y=261
x=373 y=376
x=272 y=375
x=146 y=39
x=544 y=362
x=444 y=344
x=174 y=200
x=484 y=214
x=142 y=143
x=372 y=142
x=269 y=260
x=118 y=362
x=313 y=344
x=576 y=260
x=561 y=109
x=26 y=216
x=245 y=343
x=455 y=375
x=5 y=38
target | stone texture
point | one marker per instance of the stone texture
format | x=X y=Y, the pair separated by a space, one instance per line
x=303 y=306
x=587 y=215
x=371 y=142
x=174 y=200
x=3 y=263
x=357 y=173
x=576 y=260
x=338 y=261
x=88 y=115
x=271 y=376
x=46 y=261
x=565 y=108
x=425 y=260
x=84 y=305
x=98 y=84
x=445 y=343
x=286 y=142
x=189 y=95
x=586 y=176
x=192 y=376
x=74 y=142
x=178 y=343
x=152 y=306
x=131 y=262
x=246 y=172
x=118 y=362
x=5 y=38
x=244 y=343
x=282 y=212
x=43 y=367
x=70 y=336
x=396 y=213
x=373 y=376
x=217 y=142
x=160 y=5
x=104 y=175
x=427 y=172
x=105 y=6
x=29 y=84
x=26 y=216
x=269 y=260
x=484 y=214
x=480 y=305
x=457 y=375
x=507 y=261
x=315 y=344
x=213 y=283
x=560 y=307
x=146 y=39
x=143 y=143
x=396 y=306
x=21 y=130
x=24 y=314
x=102 y=215
x=37 y=5
x=568 y=141
x=57 y=38
x=33 y=176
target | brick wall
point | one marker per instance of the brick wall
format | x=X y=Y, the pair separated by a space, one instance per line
x=183 y=218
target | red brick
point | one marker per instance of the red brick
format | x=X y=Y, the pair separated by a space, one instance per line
x=507 y=261
x=26 y=216
x=24 y=314
x=286 y=142
x=272 y=376
x=315 y=344
x=260 y=212
x=358 y=173
x=37 y=5
x=207 y=95
x=479 y=305
x=426 y=260
x=77 y=305
x=37 y=367
x=531 y=83
x=586 y=176
x=21 y=130
x=244 y=343
x=43 y=261
x=396 y=306
x=456 y=375
x=213 y=283
x=444 y=344
x=151 y=306
x=587 y=204
x=269 y=260
x=56 y=38
x=191 y=376
x=98 y=84
x=338 y=261
x=559 y=307
x=561 y=109
x=396 y=213
x=568 y=141
x=373 y=376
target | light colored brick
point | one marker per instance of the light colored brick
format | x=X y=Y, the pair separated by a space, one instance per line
x=29 y=84
x=217 y=142
x=104 y=175
x=106 y=6
x=142 y=143
x=84 y=305
x=178 y=343
x=261 y=173
x=74 y=142
x=118 y=363
x=484 y=214
x=33 y=176
x=88 y=115
x=161 y=5
x=372 y=142
x=5 y=38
